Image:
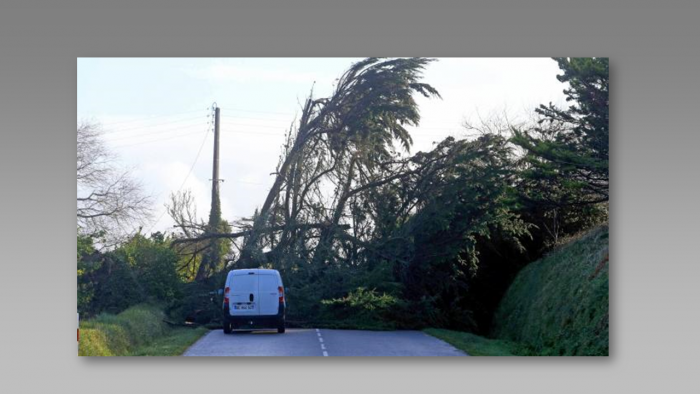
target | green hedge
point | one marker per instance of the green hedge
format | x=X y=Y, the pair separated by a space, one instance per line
x=120 y=335
x=559 y=305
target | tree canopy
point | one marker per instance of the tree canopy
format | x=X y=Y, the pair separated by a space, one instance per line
x=367 y=233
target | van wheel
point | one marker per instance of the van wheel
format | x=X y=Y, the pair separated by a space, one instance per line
x=280 y=327
x=228 y=328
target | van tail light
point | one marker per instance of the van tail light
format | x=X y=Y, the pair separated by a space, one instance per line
x=281 y=293
x=226 y=291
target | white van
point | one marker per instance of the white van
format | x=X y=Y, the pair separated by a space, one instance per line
x=254 y=298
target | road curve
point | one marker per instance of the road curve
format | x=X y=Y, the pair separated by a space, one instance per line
x=320 y=343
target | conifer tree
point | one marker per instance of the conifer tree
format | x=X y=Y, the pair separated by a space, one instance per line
x=566 y=154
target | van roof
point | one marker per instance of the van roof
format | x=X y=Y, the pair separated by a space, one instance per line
x=258 y=271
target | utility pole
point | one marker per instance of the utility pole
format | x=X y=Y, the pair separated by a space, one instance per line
x=215 y=172
x=212 y=256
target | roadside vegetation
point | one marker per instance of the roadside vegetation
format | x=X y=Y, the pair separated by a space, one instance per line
x=368 y=234
x=475 y=345
x=137 y=331
x=557 y=306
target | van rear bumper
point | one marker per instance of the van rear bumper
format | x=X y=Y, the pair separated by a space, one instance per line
x=264 y=321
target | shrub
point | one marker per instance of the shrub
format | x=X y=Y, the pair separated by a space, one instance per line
x=559 y=305
x=361 y=308
x=119 y=335
x=197 y=305
x=139 y=271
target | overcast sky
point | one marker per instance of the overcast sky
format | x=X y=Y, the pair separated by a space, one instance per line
x=154 y=113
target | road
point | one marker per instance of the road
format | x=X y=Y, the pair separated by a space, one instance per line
x=320 y=343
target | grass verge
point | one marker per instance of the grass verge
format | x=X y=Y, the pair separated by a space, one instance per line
x=475 y=345
x=172 y=344
x=139 y=330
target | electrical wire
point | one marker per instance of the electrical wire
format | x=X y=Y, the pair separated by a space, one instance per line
x=158 y=140
x=152 y=125
x=153 y=117
x=252 y=133
x=256 y=125
x=255 y=111
x=244 y=118
x=137 y=136
x=185 y=180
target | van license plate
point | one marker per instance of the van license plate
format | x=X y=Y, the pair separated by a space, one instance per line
x=244 y=306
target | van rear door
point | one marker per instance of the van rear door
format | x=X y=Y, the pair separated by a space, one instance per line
x=244 y=295
x=269 y=294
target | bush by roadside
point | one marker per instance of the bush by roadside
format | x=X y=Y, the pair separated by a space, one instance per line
x=558 y=305
x=133 y=332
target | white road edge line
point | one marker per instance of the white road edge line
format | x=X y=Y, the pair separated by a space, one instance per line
x=320 y=339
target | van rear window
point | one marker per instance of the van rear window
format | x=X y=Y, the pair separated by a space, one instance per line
x=244 y=284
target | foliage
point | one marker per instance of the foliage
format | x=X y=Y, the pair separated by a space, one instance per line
x=559 y=305
x=197 y=304
x=337 y=139
x=116 y=287
x=348 y=211
x=567 y=153
x=461 y=198
x=141 y=270
x=361 y=308
x=137 y=331
x=154 y=264
x=86 y=269
x=173 y=343
x=117 y=335
x=366 y=234
x=199 y=260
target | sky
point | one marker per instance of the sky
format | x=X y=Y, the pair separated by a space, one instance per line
x=155 y=114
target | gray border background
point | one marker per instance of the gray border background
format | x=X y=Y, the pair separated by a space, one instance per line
x=654 y=51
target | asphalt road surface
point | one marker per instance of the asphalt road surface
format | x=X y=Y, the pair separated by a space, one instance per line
x=321 y=343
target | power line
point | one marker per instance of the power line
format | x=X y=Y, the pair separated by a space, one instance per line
x=250 y=118
x=158 y=140
x=252 y=132
x=255 y=111
x=185 y=180
x=152 y=125
x=128 y=137
x=256 y=125
x=151 y=117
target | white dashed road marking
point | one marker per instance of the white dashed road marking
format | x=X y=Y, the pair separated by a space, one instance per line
x=320 y=339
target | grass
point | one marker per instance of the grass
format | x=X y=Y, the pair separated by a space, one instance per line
x=172 y=344
x=139 y=330
x=558 y=306
x=475 y=345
